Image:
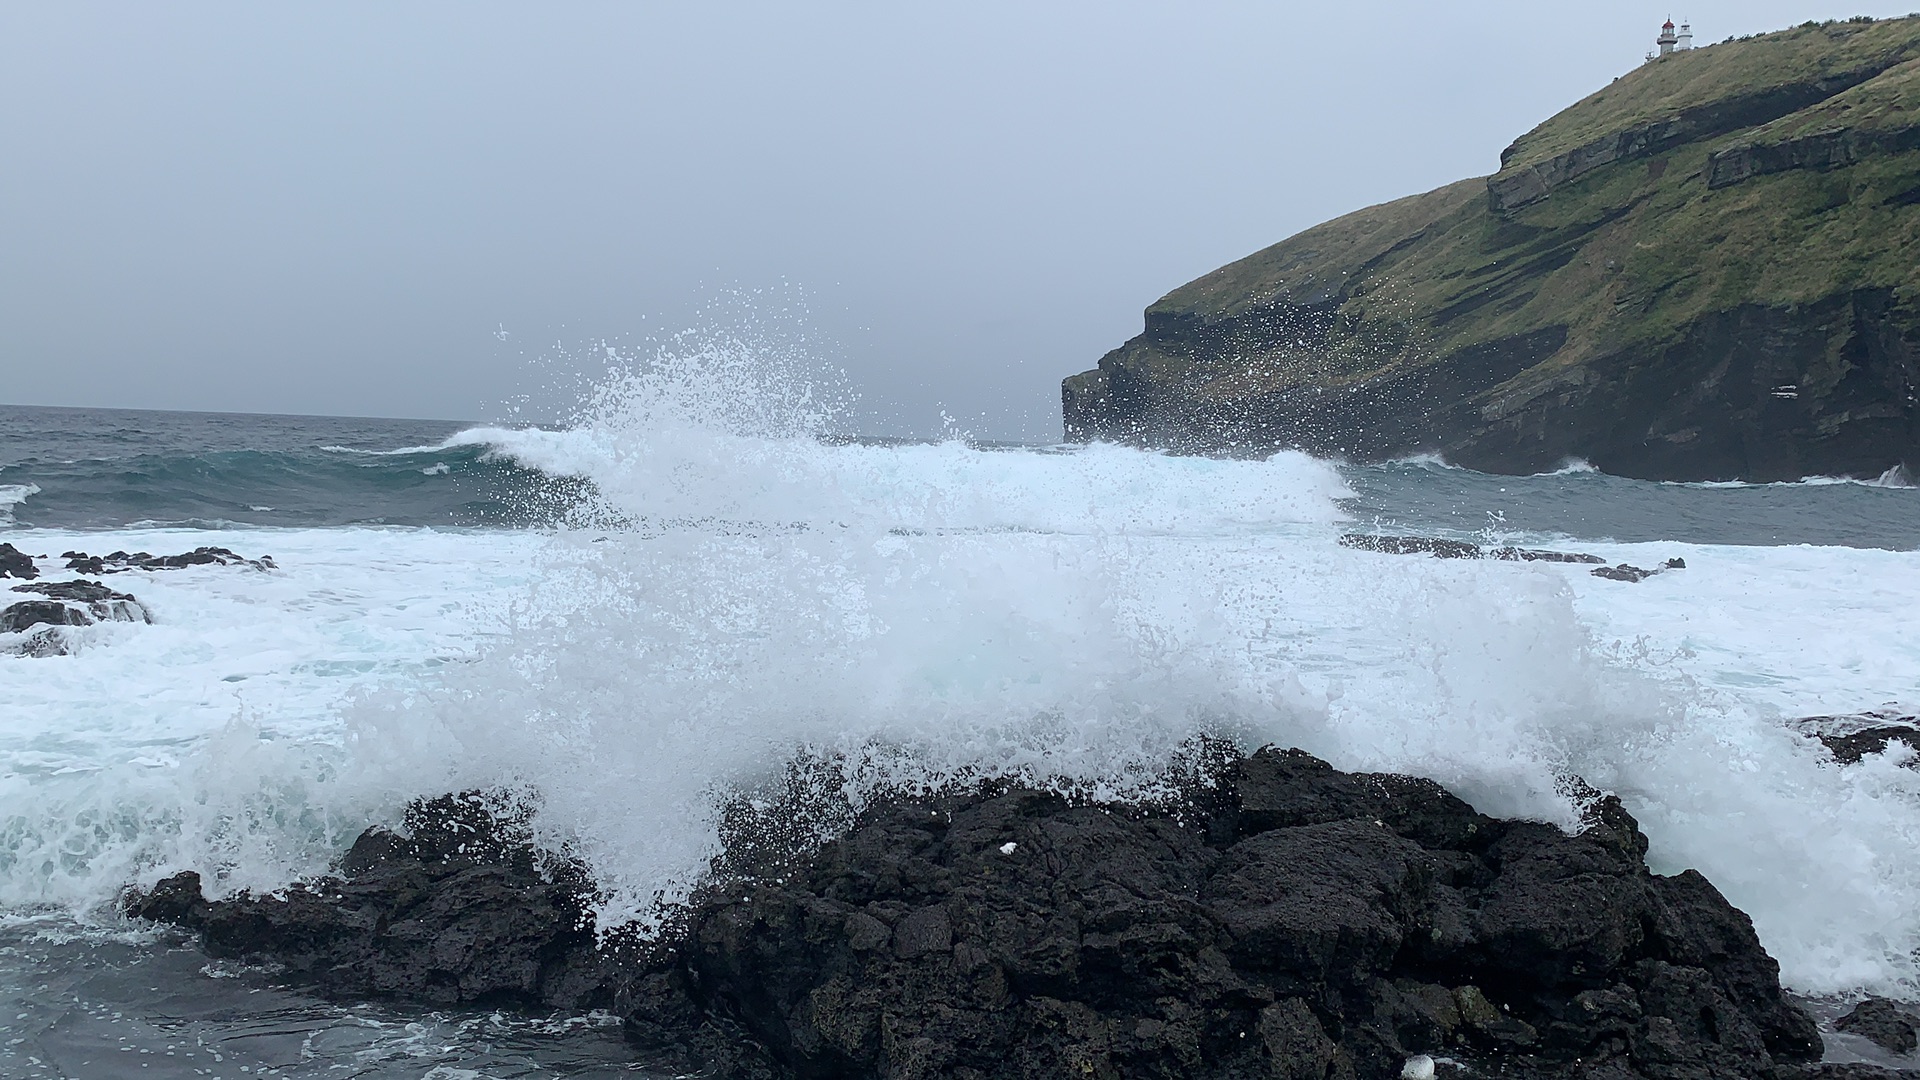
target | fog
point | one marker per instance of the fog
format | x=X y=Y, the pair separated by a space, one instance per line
x=438 y=209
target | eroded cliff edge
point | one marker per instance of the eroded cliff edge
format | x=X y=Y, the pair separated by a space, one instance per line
x=1705 y=271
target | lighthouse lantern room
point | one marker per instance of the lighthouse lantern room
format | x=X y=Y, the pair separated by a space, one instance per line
x=1672 y=41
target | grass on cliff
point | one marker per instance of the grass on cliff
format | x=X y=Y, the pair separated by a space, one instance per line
x=1889 y=102
x=1632 y=252
x=1673 y=84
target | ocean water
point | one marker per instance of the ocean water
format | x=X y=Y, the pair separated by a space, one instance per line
x=651 y=608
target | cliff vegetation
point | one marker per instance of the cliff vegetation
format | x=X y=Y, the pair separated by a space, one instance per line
x=1706 y=270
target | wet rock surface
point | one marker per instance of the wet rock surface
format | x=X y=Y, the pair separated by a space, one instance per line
x=1852 y=737
x=40 y=621
x=1623 y=572
x=1884 y=1023
x=1288 y=920
x=1459 y=549
x=1849 y=749
x=122 y=561
x=70 y=603
x=1441 y=548
x=462 y=910
x=16 y=563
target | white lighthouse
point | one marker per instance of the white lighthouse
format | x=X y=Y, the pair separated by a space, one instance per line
x=1671 y=40
x=1667 y=39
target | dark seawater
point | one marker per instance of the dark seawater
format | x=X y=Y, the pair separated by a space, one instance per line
x=1587 y=505
x=112 y=468
x=109 y=468
x=154 y=1006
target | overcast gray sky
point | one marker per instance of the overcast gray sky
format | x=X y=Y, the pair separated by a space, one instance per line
x=334 y=208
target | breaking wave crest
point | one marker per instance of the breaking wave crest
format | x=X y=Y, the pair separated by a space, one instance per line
x=737 y=591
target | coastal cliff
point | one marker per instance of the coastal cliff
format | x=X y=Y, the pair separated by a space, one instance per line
x=1705 y=271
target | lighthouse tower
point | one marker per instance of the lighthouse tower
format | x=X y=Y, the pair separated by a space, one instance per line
x=1667 y=39
x=1684 y=39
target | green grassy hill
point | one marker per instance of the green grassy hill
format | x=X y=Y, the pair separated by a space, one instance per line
x=1706 y=270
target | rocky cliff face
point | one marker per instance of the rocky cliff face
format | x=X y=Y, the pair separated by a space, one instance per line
x=1704 y=271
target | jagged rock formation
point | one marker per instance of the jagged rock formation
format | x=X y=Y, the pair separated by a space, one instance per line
x=1458 y=549
x=39 y=622
x=1286 y=920
x=1883 y=1022
x=1702 y=271
x=17 y=563
x=121 y=561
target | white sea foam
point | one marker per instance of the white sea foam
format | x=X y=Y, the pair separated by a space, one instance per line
x=12 y=495
x=1572 y=467
x=743 y=590
x=1428 y=461
x=1895 y=476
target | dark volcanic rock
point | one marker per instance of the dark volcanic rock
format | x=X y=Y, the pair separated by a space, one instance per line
x=1413 y=545
x=1459 y=549
x=461 y=910
x=121 y=561
x=82 y=591
x=1885 y=1023
x=30 y=613
x=16 y=563
x=1623 y=572
x=1853 y=736
x=40 y=642
x=1288 y=921
x=71 y=603
x=1849 y=749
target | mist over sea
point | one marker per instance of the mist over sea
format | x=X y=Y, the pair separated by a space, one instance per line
x=660 y=603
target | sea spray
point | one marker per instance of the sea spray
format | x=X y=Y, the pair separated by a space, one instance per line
x=936 y=611
x=735 y=591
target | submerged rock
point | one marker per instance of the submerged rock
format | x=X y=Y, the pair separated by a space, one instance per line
x=1288 y=920
x=16 y=563
x=121 y=561
x=1459 y=549
x=1852 y=737
x=41 y=641
x=1849 y=749
x=1623 y=572
x=71 y=603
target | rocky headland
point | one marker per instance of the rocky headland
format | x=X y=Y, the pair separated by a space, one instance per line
x=1703 y=271
x=1278 y=919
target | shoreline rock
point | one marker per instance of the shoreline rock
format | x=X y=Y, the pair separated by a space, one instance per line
x=1852 y=737
x=1285 y=920
x=17 y=563
x=1883 y=1023
x=1459 y=549
x=122 y=561
x=41 y=622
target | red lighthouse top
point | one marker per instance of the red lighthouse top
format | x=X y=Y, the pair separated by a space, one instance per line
x=1668 y=25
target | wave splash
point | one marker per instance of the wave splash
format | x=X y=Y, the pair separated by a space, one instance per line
x=738 y=591
x=12 y=495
